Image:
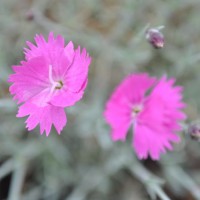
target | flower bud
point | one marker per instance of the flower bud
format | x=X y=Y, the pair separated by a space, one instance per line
x=29 y=16
x=194 y=130
x=155 y=37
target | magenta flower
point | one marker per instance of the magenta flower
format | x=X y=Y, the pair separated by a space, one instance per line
x=153 y=107
x=54 y=76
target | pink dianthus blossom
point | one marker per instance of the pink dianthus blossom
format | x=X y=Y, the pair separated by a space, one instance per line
x=152 y=107
x=52 y=77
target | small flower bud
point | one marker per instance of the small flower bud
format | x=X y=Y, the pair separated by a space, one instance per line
x=29 y=15
x=194 y=130
x=155 y=37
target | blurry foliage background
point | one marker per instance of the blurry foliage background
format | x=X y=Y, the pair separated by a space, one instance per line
x=83 y=163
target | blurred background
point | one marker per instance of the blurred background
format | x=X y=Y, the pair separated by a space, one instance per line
x=83 y=163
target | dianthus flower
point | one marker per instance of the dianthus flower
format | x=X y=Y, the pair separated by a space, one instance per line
x=52 y=77
x=152 y=107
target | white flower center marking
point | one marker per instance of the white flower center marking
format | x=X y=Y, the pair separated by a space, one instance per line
x=55 y=85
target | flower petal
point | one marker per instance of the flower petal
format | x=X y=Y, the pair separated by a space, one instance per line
x=30 y=79
x=150 y=142
x=43 y=48
x=69 y=51
x=162 y=107
x=45 y=116
x=65 y=98
x=76 y=75
x=132 y=89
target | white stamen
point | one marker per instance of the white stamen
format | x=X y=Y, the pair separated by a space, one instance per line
x=54 y=84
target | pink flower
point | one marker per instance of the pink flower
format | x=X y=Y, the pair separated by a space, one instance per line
x=54 y=76
x=153 y=107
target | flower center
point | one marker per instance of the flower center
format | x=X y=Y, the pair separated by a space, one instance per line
x=59 y=85
x=136 y=109
x=55 y=85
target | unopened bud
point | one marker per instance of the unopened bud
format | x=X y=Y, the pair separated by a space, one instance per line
x=155 y=37
x=29 y=15
x=194 y=130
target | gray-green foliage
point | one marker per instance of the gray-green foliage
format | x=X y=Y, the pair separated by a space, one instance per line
x=83 y=162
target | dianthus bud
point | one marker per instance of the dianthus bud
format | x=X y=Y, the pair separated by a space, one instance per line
x=155 y=37
x=194 y=130
x=29 y=15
